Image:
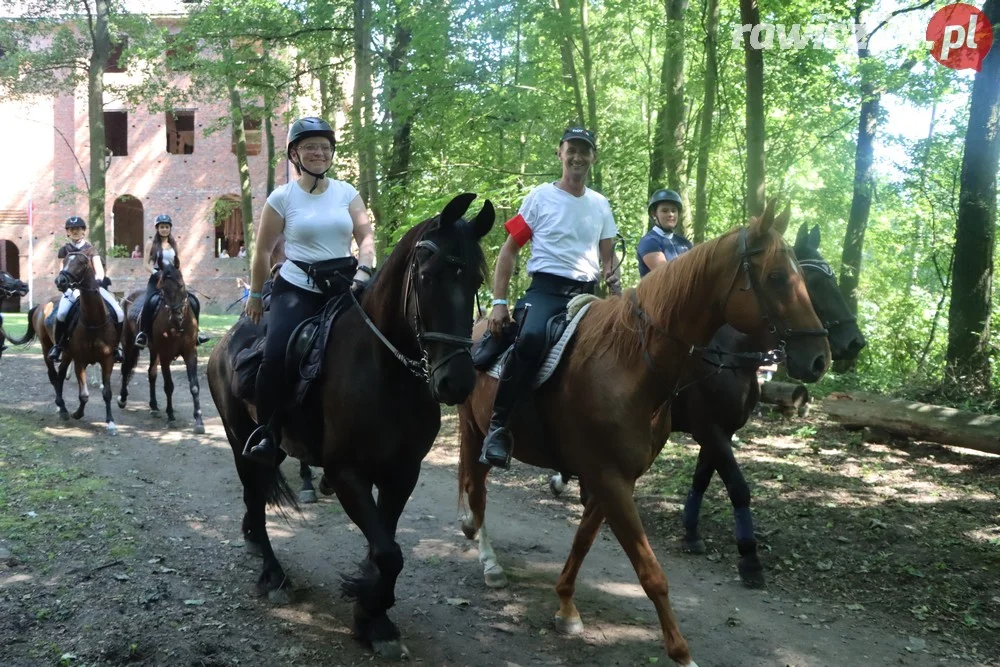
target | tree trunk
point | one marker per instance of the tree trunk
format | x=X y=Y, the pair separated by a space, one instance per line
x=975 y=231
x=361 y=112
x=918 y=222
x=707 y=113
x=750 y=14
x=784 y=394
x=920 y=421
x=101 y=49
x=246 y=192
x=269 y=136
x=568 y=61
x=588 y=79
x=401 y=121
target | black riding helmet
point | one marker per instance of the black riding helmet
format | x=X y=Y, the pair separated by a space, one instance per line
x=304 y=128
x=661 y=196
x=75 y=221
x=163 y=219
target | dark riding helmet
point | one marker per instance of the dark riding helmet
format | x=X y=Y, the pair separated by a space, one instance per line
x=309 y=127
x=75 y=221
x=661 y=196
x=163 y=219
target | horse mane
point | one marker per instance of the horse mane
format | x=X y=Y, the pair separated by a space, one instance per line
x=611 y=324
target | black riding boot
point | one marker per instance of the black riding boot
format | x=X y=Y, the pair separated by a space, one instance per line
x=119 y=357
x=196 y=309
x=499 y=440
x=263 y=444
x=142 y=338
x=55 y=354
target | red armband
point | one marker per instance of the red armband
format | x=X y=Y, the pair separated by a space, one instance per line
x=519 y=230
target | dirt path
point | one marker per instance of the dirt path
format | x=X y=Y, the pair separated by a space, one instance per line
x=127 y=550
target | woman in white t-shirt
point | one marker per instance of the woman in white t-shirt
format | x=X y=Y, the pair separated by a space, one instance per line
x=318 y=217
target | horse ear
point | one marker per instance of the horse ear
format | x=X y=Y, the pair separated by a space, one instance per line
x=814 y=238
x=781 y=222
x=802 y=237
x=760 y=224
x=483 y=222
x=456 y=208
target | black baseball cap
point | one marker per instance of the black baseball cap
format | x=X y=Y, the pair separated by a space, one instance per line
x=579 y=133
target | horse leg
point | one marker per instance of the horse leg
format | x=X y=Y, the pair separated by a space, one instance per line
x=108 y=365
x=614 y=493
x=749 y=566
x=80 y=369
x=151 y=374
x=57 y=377
x=373 y=589
x=168 y=386
x=257 y=480
x=191 y=362
x=693 y=543
x=307 y=494
x=472 y=483
x=567 y=619
x=129 y=363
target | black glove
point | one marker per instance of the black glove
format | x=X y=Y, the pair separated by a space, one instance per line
x=106 y=283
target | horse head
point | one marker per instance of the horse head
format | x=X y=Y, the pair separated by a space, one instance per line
x=773 y=292
x=77 y=272
x=174 y=294
x=846 y=339
x=11 y=286
x=446 y=270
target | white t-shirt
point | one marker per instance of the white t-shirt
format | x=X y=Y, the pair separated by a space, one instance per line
x=317 y=226
x=566 y=231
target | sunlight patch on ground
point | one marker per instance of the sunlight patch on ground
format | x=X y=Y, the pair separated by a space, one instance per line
x=621 y=589
x=988 y=535
x=15 y=579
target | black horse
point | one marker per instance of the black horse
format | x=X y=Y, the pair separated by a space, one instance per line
x=9 y=287
x=724 y=392
x=373 y=415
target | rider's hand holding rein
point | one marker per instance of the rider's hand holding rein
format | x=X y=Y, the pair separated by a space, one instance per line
x=506 y=261
x=612 y=279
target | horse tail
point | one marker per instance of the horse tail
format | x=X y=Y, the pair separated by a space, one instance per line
x=279 y=494
x=29 y=335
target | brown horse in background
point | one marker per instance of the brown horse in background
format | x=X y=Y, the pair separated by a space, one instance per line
x=9 y=287
x=628 y=358
x=174 y=334
x=93 y=340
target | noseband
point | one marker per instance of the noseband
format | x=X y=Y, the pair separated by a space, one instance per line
x=421 y=368
x=824 y=268
x=72 y=281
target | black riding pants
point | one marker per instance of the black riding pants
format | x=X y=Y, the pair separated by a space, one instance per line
x=547 y=295
x=146 y=316
x=290 y=305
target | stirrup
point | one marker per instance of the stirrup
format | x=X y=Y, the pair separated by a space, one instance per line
x=257 y=451
x=497 y=448
x=203 y=338
x=141 y=340
x=55 y=354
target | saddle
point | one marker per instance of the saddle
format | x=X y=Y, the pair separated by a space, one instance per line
x=72 y=319
x=490 y=354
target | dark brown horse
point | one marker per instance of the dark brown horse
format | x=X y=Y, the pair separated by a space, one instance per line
x=372 y=416
x=93 y=340
x=9 y=287
x=719 y=402
x=630 y=353
x=174 y=334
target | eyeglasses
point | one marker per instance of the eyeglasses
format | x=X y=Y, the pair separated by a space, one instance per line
x=325 y=149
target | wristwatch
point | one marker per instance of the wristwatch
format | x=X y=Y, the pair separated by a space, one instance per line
x=362 y=267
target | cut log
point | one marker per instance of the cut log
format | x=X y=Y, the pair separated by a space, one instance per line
x=919 y=421
x=784 y=394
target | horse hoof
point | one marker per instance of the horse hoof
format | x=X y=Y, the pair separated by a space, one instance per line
x=307 y=496
x=496 y=578
x=469 y=528
x=391 y=650
x=64 y=416
x=752 y=574
x=571 y=626
x=695 y=546
x=121 y=403
x=112 y=429
x=556 y=485
x=253 y=548
x=199 y=429
x=279 y=596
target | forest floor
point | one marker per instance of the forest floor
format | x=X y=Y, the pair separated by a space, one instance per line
x=127 y=550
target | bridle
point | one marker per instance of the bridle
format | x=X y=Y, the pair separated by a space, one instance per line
x=824 y=268
x=176 y=310
x=74 y=282
x=422 y=367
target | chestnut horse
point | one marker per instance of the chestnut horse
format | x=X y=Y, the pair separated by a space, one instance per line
x=630 y=354
x=371 y=417
x=174 y=334
x=720 y=401
x=93 y=340
x=9 y=287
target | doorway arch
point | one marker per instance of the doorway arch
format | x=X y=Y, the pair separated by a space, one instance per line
x=10 y=261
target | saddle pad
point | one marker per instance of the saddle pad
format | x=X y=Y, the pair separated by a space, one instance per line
x=552 y=358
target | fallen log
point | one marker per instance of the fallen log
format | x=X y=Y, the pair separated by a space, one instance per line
x=919 y=421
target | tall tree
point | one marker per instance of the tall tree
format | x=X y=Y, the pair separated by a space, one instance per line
x=750 y=15
x=707 y=118
x=589 y=85
x=400 y=111
x=362 y=122
x=975 y=234
x=566 y=50
x=667 y=163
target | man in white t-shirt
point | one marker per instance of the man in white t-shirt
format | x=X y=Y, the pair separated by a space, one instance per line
x=572 y=234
